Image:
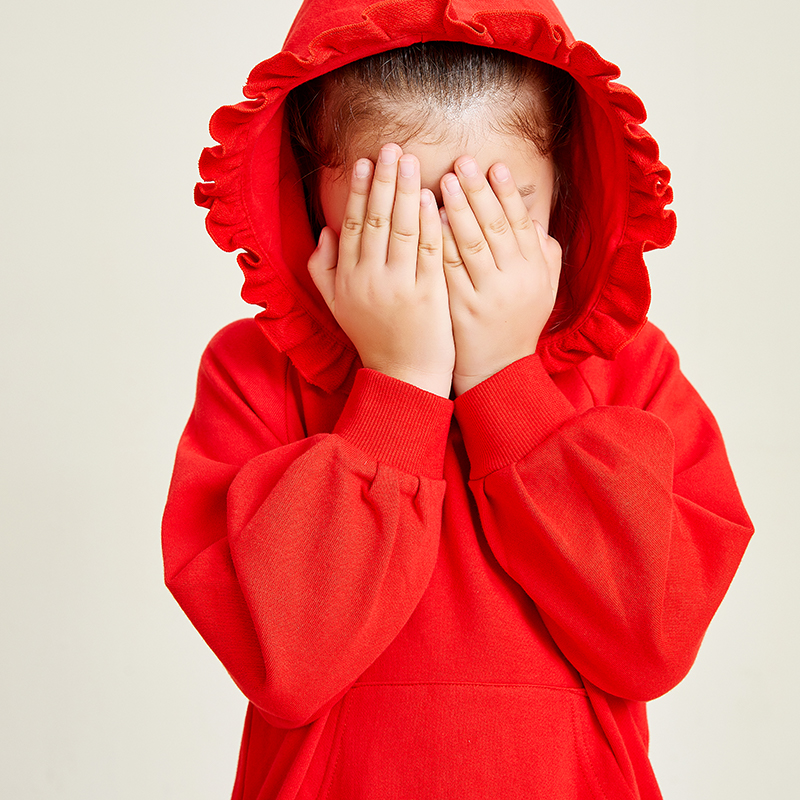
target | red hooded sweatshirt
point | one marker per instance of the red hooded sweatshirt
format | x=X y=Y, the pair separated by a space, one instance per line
x=432 y=599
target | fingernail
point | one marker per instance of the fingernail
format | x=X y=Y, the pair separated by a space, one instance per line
x=388 y=155
x=407 y=167
x=362 y=168
x=452 y=185
x=425 y=197
x=500 y=172
x=443 y=216
x=468 y=167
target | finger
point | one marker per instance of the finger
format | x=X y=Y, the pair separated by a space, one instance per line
x=472 y=245
x=354 y=213
x=429 y=250
x=488 y=211
x=551 y=250
x=459 y=281
x=404 y=236
x=322 y=266
x=515 y=211
x=377 y=223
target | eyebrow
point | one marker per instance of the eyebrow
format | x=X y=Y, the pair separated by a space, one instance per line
x=528 y=188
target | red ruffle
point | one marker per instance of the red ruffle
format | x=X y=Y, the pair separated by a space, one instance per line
x=294 y=317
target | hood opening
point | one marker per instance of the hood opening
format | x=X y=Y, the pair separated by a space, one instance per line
x=255 y=196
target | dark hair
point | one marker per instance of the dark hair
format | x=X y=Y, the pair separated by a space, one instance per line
x=325 y=115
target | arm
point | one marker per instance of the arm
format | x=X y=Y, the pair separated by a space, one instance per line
x=623 y=523
x=300 y=561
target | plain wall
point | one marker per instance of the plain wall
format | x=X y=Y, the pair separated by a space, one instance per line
x=111 y=289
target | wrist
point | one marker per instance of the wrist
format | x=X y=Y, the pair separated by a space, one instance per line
x=438 y=383
x=464 y=382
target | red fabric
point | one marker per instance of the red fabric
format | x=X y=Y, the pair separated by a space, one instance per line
x=428 y=599
x=421 y=603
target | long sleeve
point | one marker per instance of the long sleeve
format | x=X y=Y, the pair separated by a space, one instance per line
x=300 y=561
x=623 y=523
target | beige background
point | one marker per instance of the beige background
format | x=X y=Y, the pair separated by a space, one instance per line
x=111 y=290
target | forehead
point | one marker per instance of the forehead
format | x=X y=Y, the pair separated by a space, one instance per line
x=456 y=127
x=437 y=149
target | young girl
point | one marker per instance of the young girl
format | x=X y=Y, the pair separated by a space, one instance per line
x=447 y=510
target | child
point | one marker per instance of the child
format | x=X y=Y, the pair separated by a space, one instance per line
x=447 y=510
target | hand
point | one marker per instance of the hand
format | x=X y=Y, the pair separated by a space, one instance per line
x=502 y=271
x=385 y=283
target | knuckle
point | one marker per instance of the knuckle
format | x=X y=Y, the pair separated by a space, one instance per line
x=477 y=191
x=453 y=262
x=499 y=226
x=352 y=225
x=377 y=221
x=475 y=247
x=429 y=249
x=359 y=190
x=384 y=179
x=523 y=223
x=402 y=235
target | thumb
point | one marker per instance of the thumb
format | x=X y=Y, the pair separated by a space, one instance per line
x=322 y=265
x=551 y=250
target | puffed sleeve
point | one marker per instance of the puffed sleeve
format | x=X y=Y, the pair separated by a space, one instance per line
x=300 y=561
x=622 y=523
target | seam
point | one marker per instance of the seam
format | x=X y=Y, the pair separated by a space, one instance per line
x=170 y=582
x=286 y=400
x=587 y=385
x=587 y=761
x=333 y=768
x=244 y=756
x=568 y=689
x=583 y=757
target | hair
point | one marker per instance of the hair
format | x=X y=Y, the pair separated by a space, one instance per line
x=424 y=92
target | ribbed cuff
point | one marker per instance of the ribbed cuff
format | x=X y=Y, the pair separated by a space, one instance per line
x=397 y=423
x=504 y=417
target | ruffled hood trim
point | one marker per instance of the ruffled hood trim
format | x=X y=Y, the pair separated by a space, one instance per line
x=253 y=191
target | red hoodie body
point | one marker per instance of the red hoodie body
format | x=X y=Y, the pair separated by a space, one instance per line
x=432 y=599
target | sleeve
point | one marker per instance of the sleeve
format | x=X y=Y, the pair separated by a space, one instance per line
x=623 y=523
x=300 y=561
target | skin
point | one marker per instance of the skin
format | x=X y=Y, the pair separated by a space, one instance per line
x=435 y=260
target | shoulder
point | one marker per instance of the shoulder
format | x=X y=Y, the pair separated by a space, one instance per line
x=241 y=400
x=241 y=368
x=241 y=340
x=650 y=349
x=634 y=376
x=242 y=352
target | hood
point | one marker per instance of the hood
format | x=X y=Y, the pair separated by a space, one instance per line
x=254 y=196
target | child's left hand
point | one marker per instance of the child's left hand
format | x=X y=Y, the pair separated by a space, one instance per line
x=502 y=271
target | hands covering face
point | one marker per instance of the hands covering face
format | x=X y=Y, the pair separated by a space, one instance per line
x=437 y=298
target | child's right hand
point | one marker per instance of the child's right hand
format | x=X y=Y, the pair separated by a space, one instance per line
x=383 y=279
